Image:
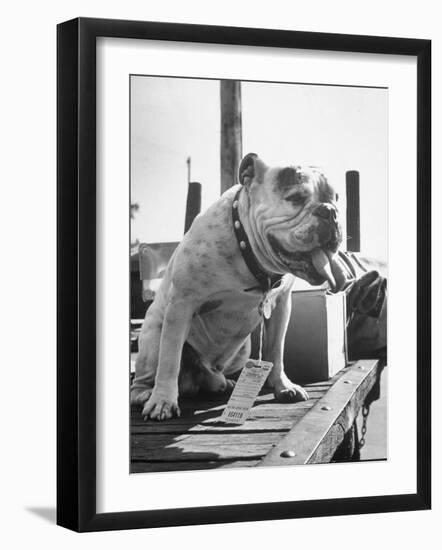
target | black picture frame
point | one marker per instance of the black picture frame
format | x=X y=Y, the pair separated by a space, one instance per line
x=76 y=273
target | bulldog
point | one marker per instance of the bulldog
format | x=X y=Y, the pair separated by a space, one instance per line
x=234 y=266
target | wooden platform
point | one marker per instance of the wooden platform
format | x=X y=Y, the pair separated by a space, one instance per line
x=275 y=433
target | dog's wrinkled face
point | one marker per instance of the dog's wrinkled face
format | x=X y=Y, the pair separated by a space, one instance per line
x=294 y=219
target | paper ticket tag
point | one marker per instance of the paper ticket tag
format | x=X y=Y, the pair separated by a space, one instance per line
x=246 y=390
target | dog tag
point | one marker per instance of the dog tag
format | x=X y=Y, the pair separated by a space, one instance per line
x=265 y=308
x=249 y=384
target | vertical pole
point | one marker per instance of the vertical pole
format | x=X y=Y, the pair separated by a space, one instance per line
x=189 y=165
x=353 y=211
x=231 y=132
x=193 y=206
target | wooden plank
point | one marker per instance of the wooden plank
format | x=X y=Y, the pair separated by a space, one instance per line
x=262 y=419
x=204 y=405
x=192 y=447
x=348 y=450
x=315 y=438
x=274 y=423
x=147 y=467
x=198 y=441
x=266 y=415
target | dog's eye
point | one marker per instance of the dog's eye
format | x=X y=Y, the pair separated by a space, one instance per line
x=296 y=199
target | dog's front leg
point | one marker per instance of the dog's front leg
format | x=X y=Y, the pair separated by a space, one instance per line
x=163 y=402
x=275 y=331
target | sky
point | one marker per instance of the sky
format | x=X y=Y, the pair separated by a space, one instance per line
x=334 y=127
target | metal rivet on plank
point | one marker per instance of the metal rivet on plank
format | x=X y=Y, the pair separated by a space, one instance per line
x=242 y=244
x=288 y=454
x=237 y=224
x=235 y=204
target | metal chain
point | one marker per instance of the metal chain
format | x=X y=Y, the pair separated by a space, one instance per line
x=365 y=413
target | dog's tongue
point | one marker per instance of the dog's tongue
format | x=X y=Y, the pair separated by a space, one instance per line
x=329 y=268
x=322 y=265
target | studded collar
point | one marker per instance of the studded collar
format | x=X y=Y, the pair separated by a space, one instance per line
x=266 y=281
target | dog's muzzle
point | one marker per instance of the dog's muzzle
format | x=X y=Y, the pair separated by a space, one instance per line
x=329 y=230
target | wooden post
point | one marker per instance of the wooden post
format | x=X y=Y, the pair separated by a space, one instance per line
x=193 y=206
x=189 y=165
x=353 y=211
x=231 y=132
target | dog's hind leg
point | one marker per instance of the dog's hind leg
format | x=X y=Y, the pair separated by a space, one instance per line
x=236 y=364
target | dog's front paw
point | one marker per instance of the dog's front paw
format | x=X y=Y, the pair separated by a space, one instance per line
x=160 y=407
x=287 y=392
x=139 y=396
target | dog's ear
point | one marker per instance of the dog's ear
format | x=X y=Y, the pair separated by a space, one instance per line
x=251 y=167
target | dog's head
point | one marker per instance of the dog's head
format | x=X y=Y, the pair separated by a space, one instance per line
x=293 y=219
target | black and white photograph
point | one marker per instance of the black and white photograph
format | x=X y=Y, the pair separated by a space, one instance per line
x=218 y=247
x=258 y=273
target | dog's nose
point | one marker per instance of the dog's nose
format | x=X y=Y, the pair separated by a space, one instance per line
x=329 y=230
x=326 y=211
